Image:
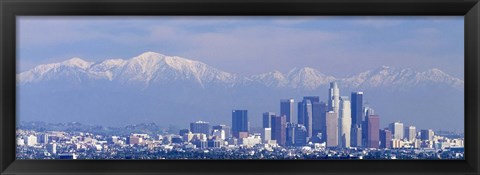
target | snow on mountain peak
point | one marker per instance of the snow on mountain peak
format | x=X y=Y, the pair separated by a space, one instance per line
x=77 y=62
x=152 y=67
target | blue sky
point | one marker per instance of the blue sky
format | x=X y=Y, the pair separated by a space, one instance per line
x=336 y=46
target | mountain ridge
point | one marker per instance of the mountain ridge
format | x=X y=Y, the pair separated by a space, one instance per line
x=155 y=68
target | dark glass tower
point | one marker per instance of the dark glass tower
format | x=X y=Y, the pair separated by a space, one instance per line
x=267 y=119
x=286 y=108
x=239 y=122
x=200 y=127
x=357 y=108
x=279 y=126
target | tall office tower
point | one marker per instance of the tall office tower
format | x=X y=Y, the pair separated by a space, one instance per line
x=266 y=134
x=334 y=97
x=356 y=136
x=385 y=138
x=290 y=134
x=367 y=111
x=239 y=122
x=426 y=134
x=397 y=130
x=226 y=128
x=410 y=133
x=200 y=127
x=357 y=107
x=345 y=122
x=300 y=135
x=332 y=129
x=279 y=126
x=305 y=114
x=318 y=118
x=286 y=108
x=373 y=123
x=267 y=119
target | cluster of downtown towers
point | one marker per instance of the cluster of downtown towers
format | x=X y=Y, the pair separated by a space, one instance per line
x=343 y=122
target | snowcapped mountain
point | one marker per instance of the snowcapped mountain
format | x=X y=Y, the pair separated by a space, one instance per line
x=147 y=68
x=152 y=68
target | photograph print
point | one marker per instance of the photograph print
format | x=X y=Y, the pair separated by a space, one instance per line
x=240 y=87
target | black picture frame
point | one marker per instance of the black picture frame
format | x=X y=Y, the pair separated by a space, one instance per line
x=9 y=9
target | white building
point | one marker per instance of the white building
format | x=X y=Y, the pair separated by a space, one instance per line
x=345 y=122
x=397 y=130
x=31 y=140
x=410 y=133
x=267 y=134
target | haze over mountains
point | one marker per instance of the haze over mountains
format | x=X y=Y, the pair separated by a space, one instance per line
x=171 y=90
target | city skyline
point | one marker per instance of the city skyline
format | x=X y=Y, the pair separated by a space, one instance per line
x=332 y=136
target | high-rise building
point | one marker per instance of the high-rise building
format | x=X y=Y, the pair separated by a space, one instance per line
x=367 y=111
x=334 y=98
x=385 y=138
x=332 y=129
x=307 y=108
x=357 y=107
x=397 y=130
x=427 y=134
x=267 y=134
x=290 y=134
x=373 y=123
x=287 y=108
x=345 y=122
x=200 y=127
x=239 y=122
x=267 y=119
x=225 y=128
x=279 y=126
x=300 y=135
x=410 y=133
x=319 y=119
x=356 y=136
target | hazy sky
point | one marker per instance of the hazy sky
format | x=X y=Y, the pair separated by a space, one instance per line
x=336 y=46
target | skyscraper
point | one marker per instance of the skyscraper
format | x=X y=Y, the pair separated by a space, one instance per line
x=200 y=127
x=279 y=126
x=373 y=123
x=345 y=122
x=397 y=130
x=357 y=107
x=290 y=134
x=356 y=136
x=266 y=134
x=319 y=118
x=410 y=133
x=366 y=112
x=239 y=122
x=385 y=138
x=305 y=114
x=300 y=135
x=286 y=108
x=334 y=97
x=267 y=119
x=332 y=129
